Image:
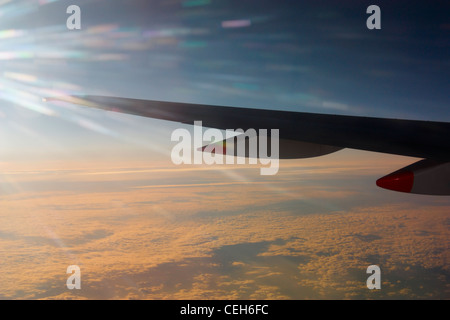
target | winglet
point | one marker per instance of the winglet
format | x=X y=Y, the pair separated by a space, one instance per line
x=400 y=181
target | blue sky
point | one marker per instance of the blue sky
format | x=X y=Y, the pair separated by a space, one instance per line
x=292 y=55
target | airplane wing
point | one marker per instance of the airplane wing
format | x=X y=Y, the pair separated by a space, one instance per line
x=427 y=140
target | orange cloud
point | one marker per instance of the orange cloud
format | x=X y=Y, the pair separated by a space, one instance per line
x=204 y=234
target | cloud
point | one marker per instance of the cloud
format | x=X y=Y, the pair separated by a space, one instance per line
x=289 y=237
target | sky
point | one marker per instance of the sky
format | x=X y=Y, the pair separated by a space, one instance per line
x=98 y=189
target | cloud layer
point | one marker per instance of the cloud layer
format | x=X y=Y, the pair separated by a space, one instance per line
x=154 y=233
